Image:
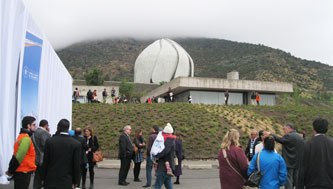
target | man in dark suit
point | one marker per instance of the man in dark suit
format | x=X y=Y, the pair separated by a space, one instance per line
x=61 y=167
x=126 y=152
x=249 y=151
x=84 y=147
x=318 y=158
x=292 y=153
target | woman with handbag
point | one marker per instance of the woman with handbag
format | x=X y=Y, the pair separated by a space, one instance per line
x=179 y=156
x=92 y=143
x=139 y=146
x=271 y=165
x=233 y=163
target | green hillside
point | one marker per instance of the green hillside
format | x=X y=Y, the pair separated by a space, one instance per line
x=212 y=58
x=202 y=126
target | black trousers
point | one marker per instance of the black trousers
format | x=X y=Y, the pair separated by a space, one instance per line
x=124 y=168
x=37 y=178
x=21 y=180
x=82 y=166
x=91 y=174
x=136 y=171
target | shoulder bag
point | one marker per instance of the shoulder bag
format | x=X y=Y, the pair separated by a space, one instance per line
x=97 y=156
x=256 y=176
x=225 y=156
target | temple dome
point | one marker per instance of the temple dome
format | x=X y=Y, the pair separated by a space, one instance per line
x=162 y=60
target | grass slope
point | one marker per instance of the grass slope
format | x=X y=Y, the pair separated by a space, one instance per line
x=202 y=126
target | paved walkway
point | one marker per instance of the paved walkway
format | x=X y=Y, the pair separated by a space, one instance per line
x=191 y=179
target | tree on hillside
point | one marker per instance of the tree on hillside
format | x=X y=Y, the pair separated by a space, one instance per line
x=94 y=77
x=126 y=88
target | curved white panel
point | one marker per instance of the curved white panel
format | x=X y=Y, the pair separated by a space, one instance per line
x=183 y=67
x=145 y=63
x=163 y=60
x=166 y=63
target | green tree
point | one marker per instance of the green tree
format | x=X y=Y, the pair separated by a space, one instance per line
x=126 y=88
x=94 y=77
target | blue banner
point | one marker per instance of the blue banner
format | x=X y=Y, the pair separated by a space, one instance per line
x=30 y=75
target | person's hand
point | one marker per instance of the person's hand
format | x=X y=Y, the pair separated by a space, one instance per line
x=89 y=150
x=7 y=173
x=42 y=182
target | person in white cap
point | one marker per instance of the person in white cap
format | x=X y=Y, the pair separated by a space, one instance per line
x=165 y=159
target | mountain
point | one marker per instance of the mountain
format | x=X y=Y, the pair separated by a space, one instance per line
x=212 y=58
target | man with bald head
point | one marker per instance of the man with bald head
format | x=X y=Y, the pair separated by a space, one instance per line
x=126 y=153
x=253 y=141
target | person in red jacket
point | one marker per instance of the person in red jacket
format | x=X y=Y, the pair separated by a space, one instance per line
x=22 y=163
x=232 y=162
x=257 y=98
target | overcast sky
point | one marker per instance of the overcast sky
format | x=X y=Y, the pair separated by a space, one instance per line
x=302 y=27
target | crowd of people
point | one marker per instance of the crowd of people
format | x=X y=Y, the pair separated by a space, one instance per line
x=302 y=164
x=58 y=161
x=62 y=160
x=166 y=163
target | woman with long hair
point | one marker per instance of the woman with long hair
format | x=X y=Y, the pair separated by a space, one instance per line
x=138 y=158
x=232 y=162
x=271 y=165
x=179 y=155
x=92 y=143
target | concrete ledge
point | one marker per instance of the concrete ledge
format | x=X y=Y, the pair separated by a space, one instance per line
x=115 y=164
x=199 y=166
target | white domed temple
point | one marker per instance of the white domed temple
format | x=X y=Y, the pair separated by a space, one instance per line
x=162 y=61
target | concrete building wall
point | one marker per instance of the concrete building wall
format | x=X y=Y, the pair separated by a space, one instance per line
x=209 y=97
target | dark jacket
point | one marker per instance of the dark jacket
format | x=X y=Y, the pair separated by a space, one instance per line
x=60 y=167
x=39 y=138
x=228 y=177
x=247 y=150
x=93 y=144
x=151 y=140
x=292 y=148
x=180 y=157
x=167 y=154
x=318 y=163
x=126 y=149
x=84 y=148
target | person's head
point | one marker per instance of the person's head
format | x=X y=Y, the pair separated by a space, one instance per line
x=155 y=128
x=269 y=143
x=78 y=131
x=43 y=123
x=288 y=128
x=76 y=89
x=168 y=129
x=231 y=137
x=29 y=123
x=63 y=126
x=320 y=126
x=104 y=89
x=254 y=134
x=138 y=133
x=88 y=132
x=261 y=132
x=264 y=135
x=127 y=129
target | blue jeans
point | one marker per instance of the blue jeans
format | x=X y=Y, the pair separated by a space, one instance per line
x=162 y=178
x=149 y=167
